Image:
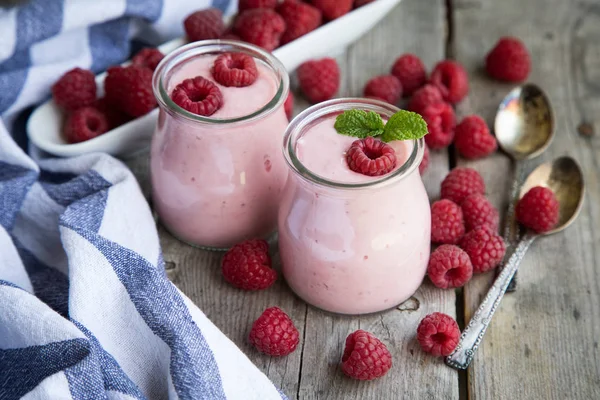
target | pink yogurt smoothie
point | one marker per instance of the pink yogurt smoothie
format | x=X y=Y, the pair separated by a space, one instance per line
x=352 y=251
x=216 y=184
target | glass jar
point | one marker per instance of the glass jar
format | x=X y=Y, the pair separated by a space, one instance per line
x=218 y=181
x=353 y=248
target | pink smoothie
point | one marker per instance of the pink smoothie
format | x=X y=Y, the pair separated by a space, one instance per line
x=215 y=184
x=352 y=251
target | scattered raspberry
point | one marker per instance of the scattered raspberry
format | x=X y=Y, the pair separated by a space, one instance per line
x=148 y=57
x=424 y=97
x=85 y=123
x=478 y=211
x=447 y=225
x=333 y=9
x=204 y=24
x=409 y=69
x=451 y=78
x=274 y=333
x=114 y=116
x=130 y=89
x=300 y=18
x=473 y=138
x=538 y=209
x=288 y=106
x=440 y=124
x=386 y=87
x=425 y=161
x=449 y=267
x=248 y=4
x=365 y=357
x=247 y=265
x=371 y=157
x=460 y=183
x=198 y=95
x=262 y=27
x=75 y=89
x=484 y=247
x=360 y=3
x=508 y=61
x=438 y=334
x=319 y=79
x=235 y=69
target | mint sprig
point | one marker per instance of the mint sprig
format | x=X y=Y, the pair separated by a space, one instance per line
x=403 y=125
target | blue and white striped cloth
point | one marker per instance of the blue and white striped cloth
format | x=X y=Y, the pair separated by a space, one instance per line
x=86 y=310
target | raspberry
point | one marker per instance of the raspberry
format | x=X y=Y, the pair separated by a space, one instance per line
x=409 y=69
x=449 y=267
x=248 y=4
x=130 y=89
x=508 y=61
x=198 y=95
x=114 y=116
x=300 y=18
x=204 y=24
x=319 y=79
x=371 y=157
x=424 y=97
x=451 y=78
x=333 y=9
x=484 y=247
x=440 y=124
x=274 y=333
x=360 y=3
x=538 y=209
x=85 y=123
x=235 y=69
x=247 y=265
x=438 y=334
x=425 y=161
x=473 y=138
x=460 y=183
x=386 y=87
x=478 y=211
x=262 y=27
x=365 y=357
x=75 y=89
x=447 y=225
x=148 y=57
x=288 y=106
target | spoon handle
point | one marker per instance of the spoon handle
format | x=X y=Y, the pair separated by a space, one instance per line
x=511 y=227
x=472 y=335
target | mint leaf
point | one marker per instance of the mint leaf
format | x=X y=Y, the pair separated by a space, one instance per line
x=359 y=123
x=404 y=125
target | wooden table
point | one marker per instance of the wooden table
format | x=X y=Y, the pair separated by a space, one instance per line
x=543 y=341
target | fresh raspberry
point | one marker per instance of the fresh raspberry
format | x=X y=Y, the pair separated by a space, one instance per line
x=473 y=138
x=371 y=157
x=484 y=247
x=460 y=183
x=204 y=24
x=440 y=124
x=438 y=334
x=235 y=69
x=85 y=123
x=386 y=87
x=538 y=209
x=319 y=79
x=300 y=18
x=449 y=267
x=148 y=57
x=451 y=78
x=425 y=161
x=365 y=357
x=508 y=61
x=478 y=211
x=333 y=9
x=409 y=69
x=262 y=27
x=447 y=225
x=114 y=116
x=274 y=333
x=198 y=95
x=75 y=89
x=424 y=97
x=130 y=89
x=248 y=4
x=247 y=265
x=288 y=106
x=360 y=3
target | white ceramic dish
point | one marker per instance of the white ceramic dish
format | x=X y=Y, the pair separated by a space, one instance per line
x=44 y=127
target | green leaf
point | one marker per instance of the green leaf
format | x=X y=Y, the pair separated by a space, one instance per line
x=404 y=125
x=359 y=123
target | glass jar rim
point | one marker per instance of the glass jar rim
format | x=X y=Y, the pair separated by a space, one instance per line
x=184 y=53
x=302 y=121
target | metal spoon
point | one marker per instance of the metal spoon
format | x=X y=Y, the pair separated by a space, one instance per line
x=524 y=128
x=563 y=176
